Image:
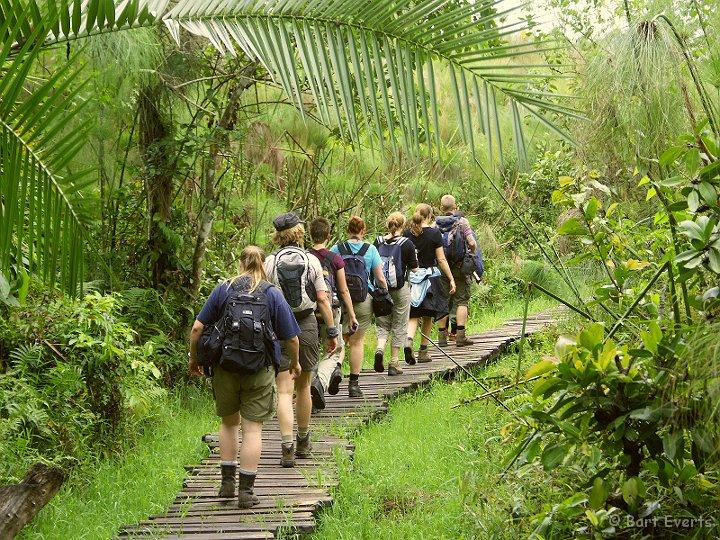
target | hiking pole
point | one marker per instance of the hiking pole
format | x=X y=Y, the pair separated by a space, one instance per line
x=481 y=385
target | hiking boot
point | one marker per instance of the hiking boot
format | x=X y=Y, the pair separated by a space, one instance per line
x=246 y=497
x=423 y=356
x=317 y=393
x=303 y=447
x=462 y=340
x=288 y=455
x=379 y=365
x=335 y=379
x=442 y=338
x=227 y=485
x=354 y=390
x=394 y=369
x=409 y=356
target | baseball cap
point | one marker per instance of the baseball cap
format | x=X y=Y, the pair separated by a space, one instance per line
x=286 y=221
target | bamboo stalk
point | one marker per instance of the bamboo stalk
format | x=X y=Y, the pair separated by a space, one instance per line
x=494 y=392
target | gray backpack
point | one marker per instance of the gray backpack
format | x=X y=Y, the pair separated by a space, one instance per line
x=291 y=271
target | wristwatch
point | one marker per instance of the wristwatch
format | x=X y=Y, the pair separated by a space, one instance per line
x=332 y=332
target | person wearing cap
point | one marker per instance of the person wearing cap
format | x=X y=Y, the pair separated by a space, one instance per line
x=300 y=276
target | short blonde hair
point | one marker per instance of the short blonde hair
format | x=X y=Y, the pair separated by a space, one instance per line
x=448 y=203
x=293 y=235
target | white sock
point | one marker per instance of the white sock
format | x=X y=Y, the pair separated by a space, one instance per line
x=234 y=463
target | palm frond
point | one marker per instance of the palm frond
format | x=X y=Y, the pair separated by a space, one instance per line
x=41 y=218
x=368 y=64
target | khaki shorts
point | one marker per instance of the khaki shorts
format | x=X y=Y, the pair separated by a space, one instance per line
x=463 y=288
x=309 y=345
x=253 y=395
x=363 y=313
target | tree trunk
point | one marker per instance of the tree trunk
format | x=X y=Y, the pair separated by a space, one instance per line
x=220 y=142
x=154 y=137
x=20 y=503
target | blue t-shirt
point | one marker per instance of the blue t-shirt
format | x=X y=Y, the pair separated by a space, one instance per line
x=281 y=316
x=372 y=257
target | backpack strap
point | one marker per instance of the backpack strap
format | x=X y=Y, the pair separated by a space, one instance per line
x=330 y=259
x=265 y=286
x=344 y=248
x=363 y=250
x=240 y=285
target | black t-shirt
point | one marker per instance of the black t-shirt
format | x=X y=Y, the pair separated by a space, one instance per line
x=425 y=244
x=409 y=257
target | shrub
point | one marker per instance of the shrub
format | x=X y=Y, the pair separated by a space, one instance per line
x=75 y=380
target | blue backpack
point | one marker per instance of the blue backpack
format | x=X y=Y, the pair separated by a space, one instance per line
x=453 y=243
x=391 y=256
x=356 y=274
x=479 y=263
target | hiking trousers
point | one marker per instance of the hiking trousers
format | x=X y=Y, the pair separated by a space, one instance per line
x=329 y=361
x=397 y=322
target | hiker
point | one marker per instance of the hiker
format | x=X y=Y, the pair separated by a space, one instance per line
x=459 y=242
x=329 y=373
x=398 y=256
x=246 y=399
x=429 y=295
x=362 y=261
x=300 y=277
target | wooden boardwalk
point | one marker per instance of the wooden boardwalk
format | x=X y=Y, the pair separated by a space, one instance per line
x=290 y=498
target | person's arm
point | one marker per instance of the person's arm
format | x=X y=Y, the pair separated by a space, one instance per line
x=323 y=300
x=210 y=314
x=377 y=267
x=410 y=255
x=445 y=267
x=344 y=293
x=379 y=276
x=472 y=245
x=292 y=349
x=195 y=369
x=325 y=307
x=469 y=237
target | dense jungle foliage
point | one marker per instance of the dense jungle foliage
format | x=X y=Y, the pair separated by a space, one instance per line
x=141 y=149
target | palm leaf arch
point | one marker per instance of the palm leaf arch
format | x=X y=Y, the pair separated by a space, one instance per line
x=369 y=65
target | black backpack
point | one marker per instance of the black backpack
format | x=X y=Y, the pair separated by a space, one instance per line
x=326 y=262
x=356 y=274
x=242 y=341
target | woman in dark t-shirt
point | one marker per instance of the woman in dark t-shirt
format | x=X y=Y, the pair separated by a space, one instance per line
x=430 y=253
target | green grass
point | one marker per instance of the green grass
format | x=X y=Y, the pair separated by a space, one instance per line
x=98 y=498
x=429 y=471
